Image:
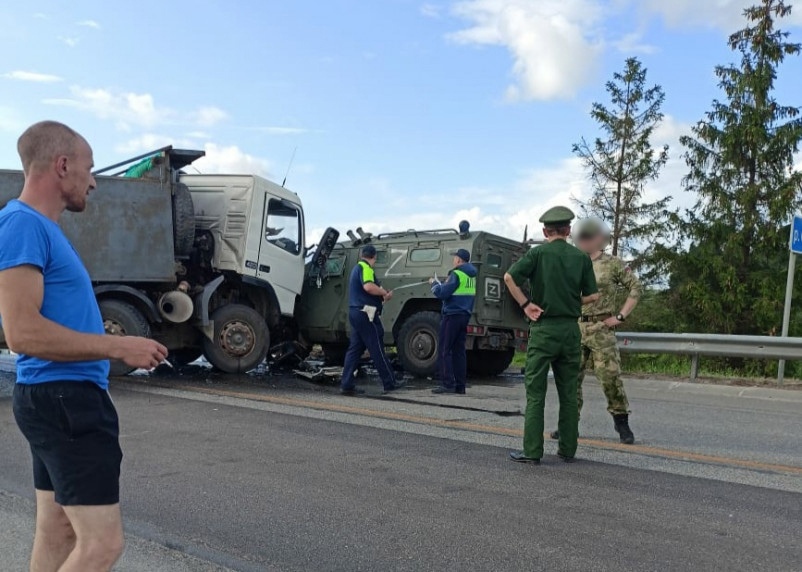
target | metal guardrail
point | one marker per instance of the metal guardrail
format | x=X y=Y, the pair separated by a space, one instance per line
x=715 y=345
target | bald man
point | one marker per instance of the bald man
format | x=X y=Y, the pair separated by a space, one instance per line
x=51 y=319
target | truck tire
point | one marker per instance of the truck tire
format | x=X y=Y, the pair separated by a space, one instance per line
x=334 y=354
x=417 y=343
x=183 y=220
x=489 y=363
x=122 y=319
x=241 y=339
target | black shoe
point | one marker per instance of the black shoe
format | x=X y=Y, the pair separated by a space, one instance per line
x=519 y=457
x=459 y=390
x=352 y=391
x=566 y=459
x=441 y=389
x=396 y=386
x=622 y=428
x=555 y=435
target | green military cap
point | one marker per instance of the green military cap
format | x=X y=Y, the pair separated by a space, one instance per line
x=557 y=216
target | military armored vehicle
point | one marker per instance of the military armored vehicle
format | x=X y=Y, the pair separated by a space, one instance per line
x=206 y=264
x=405 y=262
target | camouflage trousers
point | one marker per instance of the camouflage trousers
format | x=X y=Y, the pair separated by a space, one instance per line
x=600 y=353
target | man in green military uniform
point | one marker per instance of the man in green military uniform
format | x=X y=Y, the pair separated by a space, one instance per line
x=561 y=280
x=599 y=320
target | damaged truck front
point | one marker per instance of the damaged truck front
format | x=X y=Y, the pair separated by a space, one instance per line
x=206 y=264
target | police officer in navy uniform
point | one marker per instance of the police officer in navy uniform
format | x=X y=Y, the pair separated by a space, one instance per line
x=457 y=293
x=366 y=297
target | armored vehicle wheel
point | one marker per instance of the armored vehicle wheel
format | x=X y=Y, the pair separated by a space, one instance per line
x=334 y=354
x=417 y=343
x=122 y=319
x=184 y=356
x=183 y=220
x=240 y=341
x=489 y=362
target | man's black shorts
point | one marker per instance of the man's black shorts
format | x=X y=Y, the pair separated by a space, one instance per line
x=73 y=430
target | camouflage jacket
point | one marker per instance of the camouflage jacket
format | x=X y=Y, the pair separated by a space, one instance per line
x=616 y=283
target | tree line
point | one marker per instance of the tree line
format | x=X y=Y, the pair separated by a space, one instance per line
x=720 y=266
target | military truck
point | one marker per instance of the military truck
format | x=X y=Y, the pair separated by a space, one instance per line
x=205 y=264
x=405 y=262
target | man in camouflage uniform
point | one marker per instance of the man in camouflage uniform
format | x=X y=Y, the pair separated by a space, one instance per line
x=599 y=320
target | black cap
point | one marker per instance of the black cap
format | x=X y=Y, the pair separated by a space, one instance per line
x=462 y=253
x=368 y=251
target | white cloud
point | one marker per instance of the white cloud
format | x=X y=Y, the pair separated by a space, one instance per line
x=21 y=75
x=431 y=10
x=209 y=115
x=89 y=24
x=633 y=43
x=130 y=110
x=126 y=109
x=554 y=43
x=726 y=15
x=228 y=159
x=70 y=41
x=282 y=130
x=231 y=160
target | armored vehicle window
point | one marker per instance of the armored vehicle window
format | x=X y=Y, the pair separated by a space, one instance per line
x=494 y=260
x=334 y=266
x=283 y=227
x=425 y=255
x=381 y=258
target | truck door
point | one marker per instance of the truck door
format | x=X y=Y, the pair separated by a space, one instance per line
x=281 y=252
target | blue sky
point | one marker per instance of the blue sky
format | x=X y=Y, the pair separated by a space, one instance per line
x=404 y=113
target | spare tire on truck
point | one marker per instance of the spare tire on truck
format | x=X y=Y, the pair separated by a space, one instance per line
x=183 y=220
x=122 y=319
x=417 y=343
x=240 y=341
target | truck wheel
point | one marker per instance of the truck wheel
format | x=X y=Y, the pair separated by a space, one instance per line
x=489 y=363
x=241 y=339
x=417 y=343
x=122 y=319
x=334 y=354
x=184 y=356
x=183 y=220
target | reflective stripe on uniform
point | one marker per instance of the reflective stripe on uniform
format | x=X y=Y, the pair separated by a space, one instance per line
x=467 y=284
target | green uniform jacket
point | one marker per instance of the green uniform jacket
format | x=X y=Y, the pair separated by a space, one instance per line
x=614 y=278
x=559 y=275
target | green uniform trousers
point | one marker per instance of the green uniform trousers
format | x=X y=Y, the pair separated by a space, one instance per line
x=553 y=343
x=600 y=353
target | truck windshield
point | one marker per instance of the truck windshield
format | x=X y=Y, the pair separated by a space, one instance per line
x=283 y=227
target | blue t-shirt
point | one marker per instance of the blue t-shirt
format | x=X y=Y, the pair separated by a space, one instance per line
x=357 y=297
x=29 y=238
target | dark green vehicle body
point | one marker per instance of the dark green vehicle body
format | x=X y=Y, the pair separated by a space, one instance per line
x=411 y=319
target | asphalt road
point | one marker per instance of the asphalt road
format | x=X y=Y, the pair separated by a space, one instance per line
x=255 y=489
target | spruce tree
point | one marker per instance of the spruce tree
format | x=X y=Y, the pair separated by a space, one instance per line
x=741 y=162
x=622 y=161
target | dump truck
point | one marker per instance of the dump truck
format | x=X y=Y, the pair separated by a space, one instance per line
x=207 y=265
x=405 y=262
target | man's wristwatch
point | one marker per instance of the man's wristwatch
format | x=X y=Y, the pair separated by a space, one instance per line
x=526 y=303
x=620 y=317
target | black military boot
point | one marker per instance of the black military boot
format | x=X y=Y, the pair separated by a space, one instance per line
x=622 y=428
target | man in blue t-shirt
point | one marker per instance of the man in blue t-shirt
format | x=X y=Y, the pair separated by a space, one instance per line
x=51 y=319
x=365 y=300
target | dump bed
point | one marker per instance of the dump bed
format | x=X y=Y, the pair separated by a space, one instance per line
x=126 y=232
